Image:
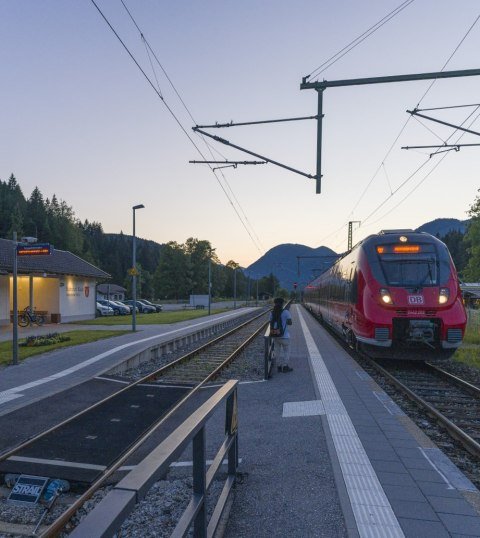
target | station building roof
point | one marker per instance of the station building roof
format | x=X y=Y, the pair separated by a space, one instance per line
x=59 y=262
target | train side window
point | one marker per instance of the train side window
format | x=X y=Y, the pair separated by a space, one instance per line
x=354 y=288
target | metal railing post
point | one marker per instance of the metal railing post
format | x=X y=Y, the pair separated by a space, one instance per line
x=266 y=340
x=231 y=428
x=199 y=483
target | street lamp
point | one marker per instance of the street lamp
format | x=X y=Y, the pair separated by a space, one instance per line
x=209 y=285
x=134 y=271
x=235 y=287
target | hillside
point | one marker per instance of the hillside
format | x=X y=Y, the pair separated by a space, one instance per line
x=282 y=261
x=440 y=227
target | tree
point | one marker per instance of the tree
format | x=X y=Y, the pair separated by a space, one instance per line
x=37 y=224
x=471 y=273
x=172 y=278
x=199 y=252
x=231 y=273
x=454 y=240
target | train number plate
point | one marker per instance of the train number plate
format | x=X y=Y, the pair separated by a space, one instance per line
x=415 y=299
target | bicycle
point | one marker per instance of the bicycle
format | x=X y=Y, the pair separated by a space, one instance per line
x=27 y=318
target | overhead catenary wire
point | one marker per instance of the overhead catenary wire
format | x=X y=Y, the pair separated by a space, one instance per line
x=423 y=179
x=429 y=129
x=421 y=166
x=347 y=48
x=402 y=129
x=175 y=118
x=150 y=50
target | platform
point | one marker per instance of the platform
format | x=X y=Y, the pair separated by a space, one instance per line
x=325 y=452
x=44 y=375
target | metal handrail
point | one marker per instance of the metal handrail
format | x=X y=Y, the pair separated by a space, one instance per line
x=110 y=513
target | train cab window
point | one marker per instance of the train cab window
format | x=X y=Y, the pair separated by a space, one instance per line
x=413 y=268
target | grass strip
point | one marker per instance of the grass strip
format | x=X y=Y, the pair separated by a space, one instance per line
x=76 y=338
x=469 y=355
x=158 y=318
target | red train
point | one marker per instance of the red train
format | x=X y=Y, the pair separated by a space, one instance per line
x=395 y=294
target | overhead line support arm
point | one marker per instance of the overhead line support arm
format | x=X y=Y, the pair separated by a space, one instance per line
x=416 y=113
x=232 y=124
x=228 y=143
x=382 y=80
x=321 y=86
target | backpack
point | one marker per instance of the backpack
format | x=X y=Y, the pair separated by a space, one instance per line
x=276 y=326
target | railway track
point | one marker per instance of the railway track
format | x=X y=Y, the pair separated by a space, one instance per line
x=91 y=446
x=451 y=401
x=204 y=364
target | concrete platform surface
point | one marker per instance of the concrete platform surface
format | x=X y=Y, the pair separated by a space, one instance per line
x=325 y=452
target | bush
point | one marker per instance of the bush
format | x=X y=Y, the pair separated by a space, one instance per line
x=44 y=340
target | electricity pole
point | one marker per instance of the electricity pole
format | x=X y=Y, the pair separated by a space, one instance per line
x=350 y=233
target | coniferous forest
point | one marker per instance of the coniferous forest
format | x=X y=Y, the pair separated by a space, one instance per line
x=170 y=271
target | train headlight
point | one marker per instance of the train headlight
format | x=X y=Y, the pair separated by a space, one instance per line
x=444 y=295
x=386 y=297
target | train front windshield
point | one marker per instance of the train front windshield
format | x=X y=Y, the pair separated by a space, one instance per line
x=409 y=265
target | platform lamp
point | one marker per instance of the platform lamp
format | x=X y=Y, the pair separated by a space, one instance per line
x=134 y=270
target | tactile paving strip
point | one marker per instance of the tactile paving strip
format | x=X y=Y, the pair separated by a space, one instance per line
x=303 y=409
x=372 y=510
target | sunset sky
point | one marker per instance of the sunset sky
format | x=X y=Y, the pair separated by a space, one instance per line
x=79 y=119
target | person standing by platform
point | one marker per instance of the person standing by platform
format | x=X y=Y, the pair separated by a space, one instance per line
x=280 y=319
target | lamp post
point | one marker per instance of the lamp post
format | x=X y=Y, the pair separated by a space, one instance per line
x=134 y=271
x=235 y=288
x=15 y=302
x=209 y=285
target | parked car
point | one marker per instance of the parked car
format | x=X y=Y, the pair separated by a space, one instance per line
x=124 y=309
x=118 y=310
x=158 y=307
x=142 y=307
x=103 y=310
x=129 y=306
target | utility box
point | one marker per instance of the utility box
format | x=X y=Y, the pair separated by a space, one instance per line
x=198 y=301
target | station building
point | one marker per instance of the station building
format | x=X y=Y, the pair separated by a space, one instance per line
x=111 y=292
x=60 y=285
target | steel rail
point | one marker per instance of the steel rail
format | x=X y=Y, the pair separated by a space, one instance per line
x=454 y=379
x=185 y=358
x=457 y=433
x=56 y=526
